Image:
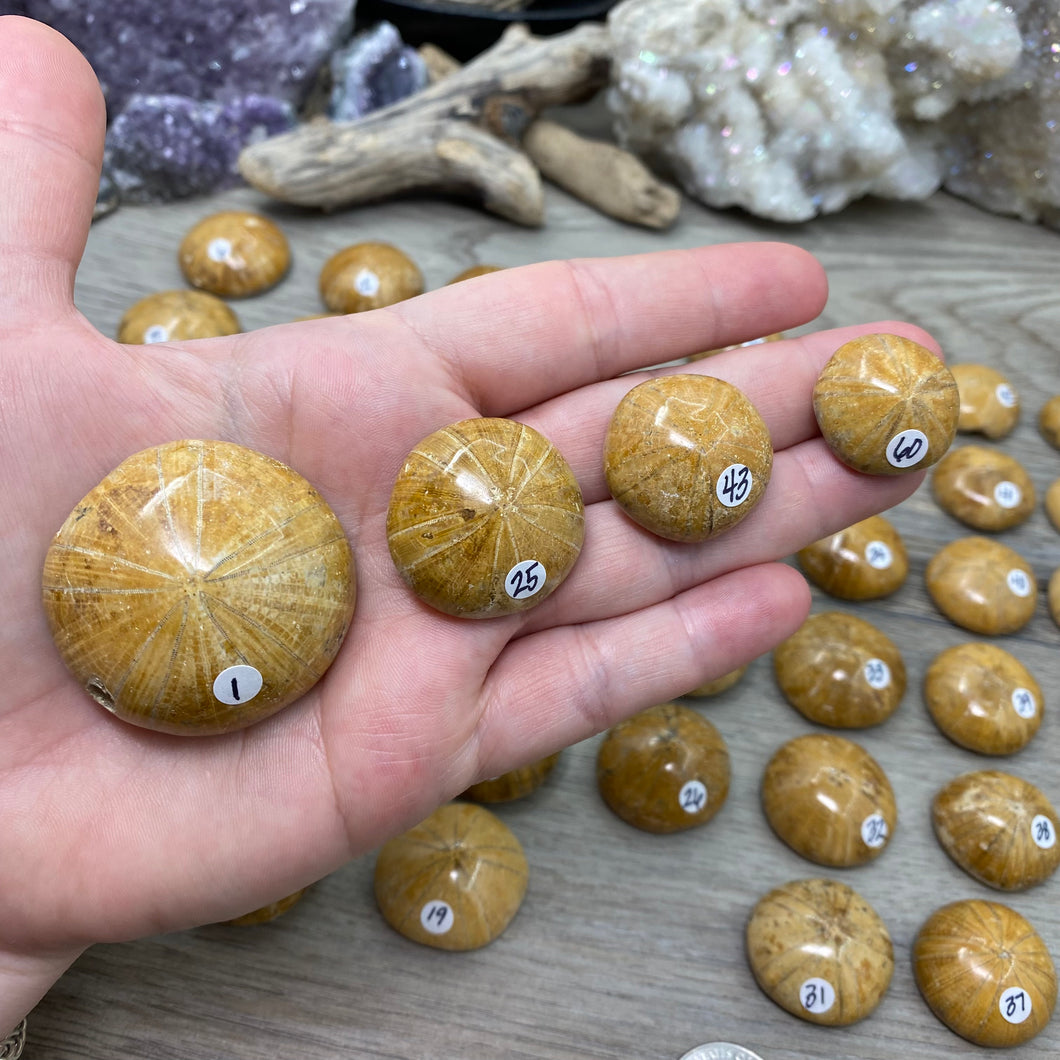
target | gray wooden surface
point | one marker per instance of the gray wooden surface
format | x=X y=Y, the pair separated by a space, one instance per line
x=628 y=945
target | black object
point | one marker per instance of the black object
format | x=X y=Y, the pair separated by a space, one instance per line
x=464 y=30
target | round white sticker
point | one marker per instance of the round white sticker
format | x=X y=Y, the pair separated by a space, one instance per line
x=156 y=333
x=436 y=917
x=1014 y=1004
x=1043 y=831
x=1024 y=703
x=878 y=555
x=734 y=485
x=907 y=449
x=817 y=995
x=237 y=684
x=874 y=830
x=692 y=796
x=1006 y=395
x=366 y=282
x=877 y=673
x=219 y=249
x=1018 y=581
x=1007 y=494
x=525 y=579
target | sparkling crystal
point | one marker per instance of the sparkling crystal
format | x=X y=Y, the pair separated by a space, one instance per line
x=374 y=69
x=829 y=100
x=168 y=147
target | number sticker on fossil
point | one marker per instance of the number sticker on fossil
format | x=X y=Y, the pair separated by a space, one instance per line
x=1018 y=582
x=907 y=449
x=693 y=796
x=219 y=249
x=734 y=485
x=878 y=555
x=874 y=830
x=1043 y=831
x=877 y=673
x=237 y=684
x=1024 y=703
x=366 y=282
x=1007 y=494
x=1014 y=1004
x=817 y=995
x=525 y=579
x=1005 y=395
x=436 y=917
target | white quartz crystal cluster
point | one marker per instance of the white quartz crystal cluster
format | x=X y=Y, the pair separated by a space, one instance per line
x=791 y=108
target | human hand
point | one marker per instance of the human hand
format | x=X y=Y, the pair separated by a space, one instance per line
x=113 y=832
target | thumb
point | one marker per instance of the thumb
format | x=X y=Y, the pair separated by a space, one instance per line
x=52 y=124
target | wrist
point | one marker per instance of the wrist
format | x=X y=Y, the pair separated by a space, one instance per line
x=24 y=980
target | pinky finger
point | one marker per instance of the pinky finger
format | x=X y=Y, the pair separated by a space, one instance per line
x=551 y=689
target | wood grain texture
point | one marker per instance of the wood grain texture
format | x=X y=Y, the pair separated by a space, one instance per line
x=627 y=944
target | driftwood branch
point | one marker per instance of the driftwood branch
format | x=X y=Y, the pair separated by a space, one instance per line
x=601 y=174
x=458 y=135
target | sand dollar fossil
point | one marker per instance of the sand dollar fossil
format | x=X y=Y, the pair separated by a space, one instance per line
x=829 y=800
x=266 y=913
x=234 y=253
x=999 y=828
x=866 y=561
x=982 y=585
x=1052 y=503
x=368 y=276
x=840 y=670
x=687 y=456
x=1049 y=421
x=199 y=588
x=820 y=951
x=473 y=271
x=983 y=698
x=515 y=783
x=665 y=769
x=886 y=405
x=719 y=684
x=454 y=881
x=485 y=518
x=984 y=488
x=990 y=404
x=169 y=316
x=985 y=972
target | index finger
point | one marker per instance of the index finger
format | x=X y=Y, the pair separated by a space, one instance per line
x=517 y=337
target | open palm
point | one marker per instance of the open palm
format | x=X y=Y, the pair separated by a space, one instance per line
x=110 y=831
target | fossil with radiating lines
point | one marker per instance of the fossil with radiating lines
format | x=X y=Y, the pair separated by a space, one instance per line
x=886 y=405
x=819 y=950
x=199 y=588
x=985 y=972
x=485 y=518
x=454 y=881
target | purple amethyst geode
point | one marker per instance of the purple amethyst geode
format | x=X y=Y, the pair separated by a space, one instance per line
x=202 y=49
x=172 y=147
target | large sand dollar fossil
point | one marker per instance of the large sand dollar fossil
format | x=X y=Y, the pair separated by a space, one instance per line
x=199 y=588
